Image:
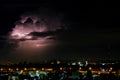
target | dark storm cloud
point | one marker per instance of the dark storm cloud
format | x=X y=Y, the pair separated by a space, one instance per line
x=48 y=33
x=35 y=33
x=82 y=40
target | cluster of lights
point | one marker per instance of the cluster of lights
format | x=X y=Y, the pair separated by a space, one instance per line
x=23 y=71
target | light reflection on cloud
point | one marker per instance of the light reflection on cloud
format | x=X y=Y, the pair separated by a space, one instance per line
x=20 y=34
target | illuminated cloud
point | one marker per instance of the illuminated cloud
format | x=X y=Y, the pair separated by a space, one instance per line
x=35 y=31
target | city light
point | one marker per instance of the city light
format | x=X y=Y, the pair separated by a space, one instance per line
x=76 y=71
x=90 y=68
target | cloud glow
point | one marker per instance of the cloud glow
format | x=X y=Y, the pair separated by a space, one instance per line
x=34 y=23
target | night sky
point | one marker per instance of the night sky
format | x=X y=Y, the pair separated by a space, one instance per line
x=88 y=30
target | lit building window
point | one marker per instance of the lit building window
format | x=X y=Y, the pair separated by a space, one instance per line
x=58 y=62
x=17 y=69
x=1 y=69
x=90 y=68
x=61 y=68
x=34 y=69
x=25 y=69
